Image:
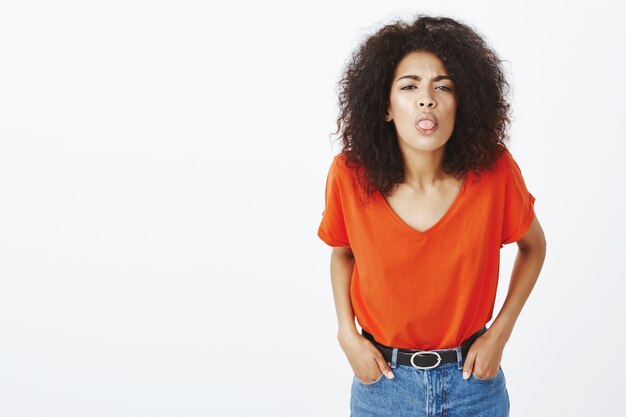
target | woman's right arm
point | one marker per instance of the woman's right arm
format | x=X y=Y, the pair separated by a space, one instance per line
x=366 y=361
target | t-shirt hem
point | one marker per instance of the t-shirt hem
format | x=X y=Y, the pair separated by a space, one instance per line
x=526 y=224
x=329 y=240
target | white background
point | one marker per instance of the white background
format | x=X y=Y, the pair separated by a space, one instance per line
x=162 y=170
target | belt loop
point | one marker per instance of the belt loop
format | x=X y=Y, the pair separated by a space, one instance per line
x=459 y=350
x=459 y=357
x=394 y=358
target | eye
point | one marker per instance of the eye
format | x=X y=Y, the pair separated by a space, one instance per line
x=407 y=87
x=446 y=88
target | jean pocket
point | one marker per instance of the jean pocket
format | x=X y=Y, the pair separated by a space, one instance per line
x=369 y=384
x=487 y=380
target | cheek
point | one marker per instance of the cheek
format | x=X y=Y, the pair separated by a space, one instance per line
x=452 y=112
x=402 y=103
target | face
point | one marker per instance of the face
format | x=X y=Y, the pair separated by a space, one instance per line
x=419 y=89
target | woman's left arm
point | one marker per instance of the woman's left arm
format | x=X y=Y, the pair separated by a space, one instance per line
x=485 y=354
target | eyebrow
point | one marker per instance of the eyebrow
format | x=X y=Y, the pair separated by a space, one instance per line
x=418 y=78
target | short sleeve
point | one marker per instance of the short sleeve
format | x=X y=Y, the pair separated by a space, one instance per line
x=332 y=229
x=519 y=202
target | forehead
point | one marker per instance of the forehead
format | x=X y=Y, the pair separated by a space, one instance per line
x=420 y=62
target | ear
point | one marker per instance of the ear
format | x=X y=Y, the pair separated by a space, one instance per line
x=388 y=117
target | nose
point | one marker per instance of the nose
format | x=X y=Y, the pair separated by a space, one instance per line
x=426 y=101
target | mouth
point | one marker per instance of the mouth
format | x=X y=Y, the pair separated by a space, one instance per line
x=426 y=126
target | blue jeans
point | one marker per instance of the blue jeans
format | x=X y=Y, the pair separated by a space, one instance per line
x=439 y=391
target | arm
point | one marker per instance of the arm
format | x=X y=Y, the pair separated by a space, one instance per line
x=366 y=361
x=528 y=262
x=341 y=265
x=486 y=353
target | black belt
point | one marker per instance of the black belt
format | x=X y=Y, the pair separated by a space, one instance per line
x=424 y=359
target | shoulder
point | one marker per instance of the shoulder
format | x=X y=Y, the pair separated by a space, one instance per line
x=341 y=160
x=508 y=173
x=510 y=164
x=347 y=175
x=341 y=168
x=505 y=164
x=504 y=156
x=502 y=170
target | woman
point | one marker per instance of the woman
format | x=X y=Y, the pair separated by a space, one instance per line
x=418 y=205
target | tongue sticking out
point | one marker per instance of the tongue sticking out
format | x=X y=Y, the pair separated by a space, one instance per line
x=426 y=124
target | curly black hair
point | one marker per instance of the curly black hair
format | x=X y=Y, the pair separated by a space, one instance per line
x=482 y=115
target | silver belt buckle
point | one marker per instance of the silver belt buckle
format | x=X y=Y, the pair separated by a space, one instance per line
x=426 y=352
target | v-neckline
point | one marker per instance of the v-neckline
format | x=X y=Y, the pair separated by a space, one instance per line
x=438 y=223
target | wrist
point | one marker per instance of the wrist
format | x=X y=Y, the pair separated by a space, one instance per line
x=500 y=331
x=346 y=334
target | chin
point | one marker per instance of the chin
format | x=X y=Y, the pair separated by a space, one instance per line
x=426 y=144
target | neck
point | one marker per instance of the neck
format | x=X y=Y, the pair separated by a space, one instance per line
x=424 y=169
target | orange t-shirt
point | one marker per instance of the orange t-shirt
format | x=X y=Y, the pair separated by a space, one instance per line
x=433 y=289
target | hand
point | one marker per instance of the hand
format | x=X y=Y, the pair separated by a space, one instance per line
x=366 y=361
x=483 y=358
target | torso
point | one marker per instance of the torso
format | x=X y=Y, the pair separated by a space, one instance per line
x=422 y=210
